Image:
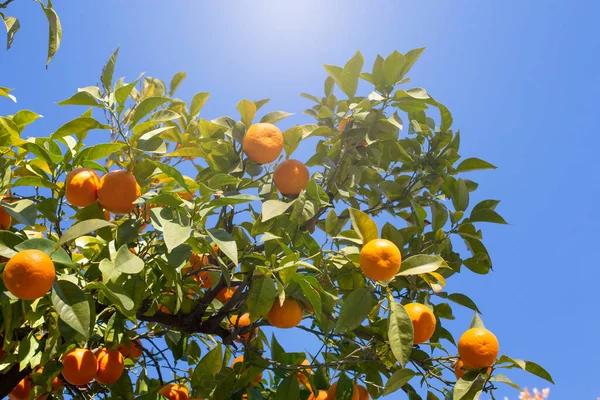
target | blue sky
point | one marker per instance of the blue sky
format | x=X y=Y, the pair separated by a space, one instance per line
x=520 y=78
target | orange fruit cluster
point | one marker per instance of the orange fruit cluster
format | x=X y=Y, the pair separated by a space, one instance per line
x=263 y=143
x=286 y=315
x=174 y=391
x=134 y=351
x=81 y=366
x=115 y=191
x=29 y=274
x=380 y=259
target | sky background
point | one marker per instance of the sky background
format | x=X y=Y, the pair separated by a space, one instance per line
x=520 y=78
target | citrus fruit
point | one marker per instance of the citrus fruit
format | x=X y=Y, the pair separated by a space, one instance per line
x=134 y=351
x=322 y=395
x=174 y=391
x=22 y=391
x=5 y=219
x=380 y=259
x=201 y=277
x=363 y=393
x=331 y=393
x=117 y=192
x=110 y=366
x=81 y=187
x=286 y=315
x=301 y=375
x=423 y=321
x=460 y=369
x=79 y=366
x=478 y=348
x=263 y=143
x=29 y=274
x=225 y=294
x=240 y=322
x=240 y=359
x=342 y=125
x=291 y=177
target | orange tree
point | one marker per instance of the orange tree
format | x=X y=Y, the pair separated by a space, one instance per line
x=124 y=278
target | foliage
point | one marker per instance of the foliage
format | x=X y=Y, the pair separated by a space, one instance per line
x=396 y=159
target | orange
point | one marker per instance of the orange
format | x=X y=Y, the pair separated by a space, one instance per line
x=291 y=177
x=478 y=348
x=201 y=277
x=134 y=351
x=301 y=375
x=5 y=219
x=240 y=359
x=322 y=395
x=460 y=369
x=22 y=391
x=331 y=393
x=380 y=259
x=175 y=392
x=263 y=143
x=423 y=321
x=287 y=315
x=81 y=187
x=106 y=215
x=186 y=195
x=110 y=366
x=29 y=274
x=363 y=393
x=226 y=294
x=342 y=125
x=117 y=192
x=79 y=367
x=241 y=321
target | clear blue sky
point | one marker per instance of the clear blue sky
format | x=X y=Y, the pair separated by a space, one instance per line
x=520 y=77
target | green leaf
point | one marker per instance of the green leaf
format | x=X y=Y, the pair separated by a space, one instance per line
x=485 y=205
x=247 y=110
x=47 y=246
x=72 y=306
x=410 y=59
x=460 y=195
x=80 y=98
x=198 y=102
x=312 y=295
x=83 y=228
x=23 y=211
x=35 y=181
x=173 y=173
x=528 y=366
x=400 y=332
x=123 y=388
x=503 y=379
x=486 y=215
x=124 y=91
x=146 y=106
x=175 y=234
x=25 y=117
x=12 y=26
x=467 y=386
x=476 y=322
x=288 y=388
x=226 y=243
x=291 y=139
x=5 y=92
x=397 y=380
x=439 y=216
x=463 y=300
x=420 y=264
x=392 y=67
x=348 y=79
x=473 y=164
x=55 y=31
x=261 y=296
x=275 y=116
x=175 y=82
x=99 y=151
x=210 y=365
x=109 y=70
x=274 y=208
x=234 y=199
x=354 y=310
x=128 y=263
x=77 y=126
x=363 y=225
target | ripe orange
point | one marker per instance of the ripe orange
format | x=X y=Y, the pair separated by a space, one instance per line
x=287 y=315
x=134 y=351
x=242 y=321
x=363 y=393
x=57 y=383
x=460 y=369
x=175 y=392
x=291 y=177
x=240 y=359
x=342 y=125
x=331 y=393
x=81 y=187
x=380 y=259
x=22 y=391
x=110 y=366
x=5 y=219
x=423 y=321
x=478 y=348
x=263 y=143
x=301 y=375
x=29 y=274
x=226 y=294
x=322 y=395
x=201 y=277
x=117 y=192
x=79 y=367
